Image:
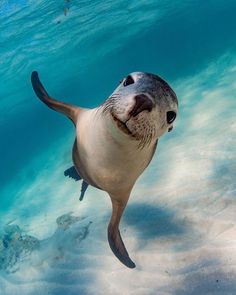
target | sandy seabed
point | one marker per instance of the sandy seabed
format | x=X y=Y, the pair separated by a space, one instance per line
x=179 y=226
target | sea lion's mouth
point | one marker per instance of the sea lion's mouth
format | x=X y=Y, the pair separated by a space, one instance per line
x=121 y=125
x=146 y=139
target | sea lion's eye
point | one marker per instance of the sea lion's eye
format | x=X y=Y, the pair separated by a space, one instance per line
x=170 y=117
x=129 y=80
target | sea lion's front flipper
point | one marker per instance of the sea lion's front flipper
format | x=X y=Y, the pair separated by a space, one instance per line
x=114 y=237
x=72 y=173
x=69 y=110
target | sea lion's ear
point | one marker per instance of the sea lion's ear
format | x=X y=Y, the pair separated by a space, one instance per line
x=69 y=110
x=114 y=237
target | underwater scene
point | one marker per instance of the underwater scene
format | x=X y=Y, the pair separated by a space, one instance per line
x=179 y=226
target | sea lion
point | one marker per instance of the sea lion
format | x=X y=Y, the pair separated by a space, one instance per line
x=116 y=141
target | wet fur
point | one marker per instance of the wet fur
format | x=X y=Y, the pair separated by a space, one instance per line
x=113 y=147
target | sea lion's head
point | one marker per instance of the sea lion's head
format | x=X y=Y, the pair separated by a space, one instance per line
x=143 y=107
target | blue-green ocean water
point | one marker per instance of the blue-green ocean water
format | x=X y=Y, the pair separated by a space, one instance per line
x=82 y=49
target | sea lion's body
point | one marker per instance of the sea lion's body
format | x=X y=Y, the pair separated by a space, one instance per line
x=102 y=161
x=115 y=142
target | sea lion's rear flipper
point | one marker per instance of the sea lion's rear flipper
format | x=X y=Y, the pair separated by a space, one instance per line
x=83 y=190
x=114 y=237
x=72 y=173
x=69 y=110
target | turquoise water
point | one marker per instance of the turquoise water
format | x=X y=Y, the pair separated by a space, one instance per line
x=82 y=49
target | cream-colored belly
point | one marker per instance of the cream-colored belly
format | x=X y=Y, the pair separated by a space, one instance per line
x=113 y=166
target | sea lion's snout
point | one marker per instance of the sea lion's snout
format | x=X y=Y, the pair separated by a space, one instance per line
x=142 y=103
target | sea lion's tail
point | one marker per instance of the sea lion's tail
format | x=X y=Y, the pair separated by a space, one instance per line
x=114 y=237
x=69 y=110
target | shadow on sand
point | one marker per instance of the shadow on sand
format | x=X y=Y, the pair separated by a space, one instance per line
x=150 y=221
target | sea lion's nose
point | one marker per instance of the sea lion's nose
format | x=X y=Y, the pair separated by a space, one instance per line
x=142 y=103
